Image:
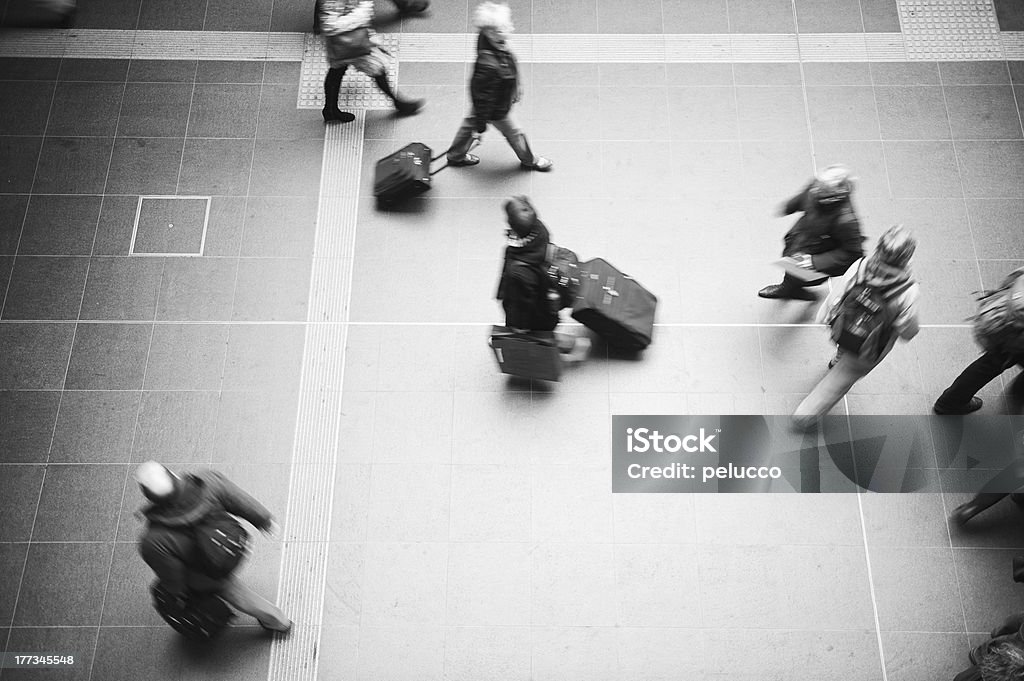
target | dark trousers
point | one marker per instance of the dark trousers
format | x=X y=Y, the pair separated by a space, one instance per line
x=332 y=86
x=976 y=376
x=791 y=283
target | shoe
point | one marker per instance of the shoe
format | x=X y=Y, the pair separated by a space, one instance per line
x=285 y=630
x=959 y=410
x=541 y=164
x=467 y=160
x=780 y=292
x=409 y=107
x=337 y=115
x=964 y=512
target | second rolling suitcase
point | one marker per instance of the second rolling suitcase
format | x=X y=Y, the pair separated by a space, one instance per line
x=614 y=306
x=534 y=355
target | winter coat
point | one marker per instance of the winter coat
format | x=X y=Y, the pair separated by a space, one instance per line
x=494 y=86
x=524 y=284
x=168 y=546
x=831 y=237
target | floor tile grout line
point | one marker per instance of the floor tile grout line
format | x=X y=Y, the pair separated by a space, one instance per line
x=871 y=586
x=188 y=121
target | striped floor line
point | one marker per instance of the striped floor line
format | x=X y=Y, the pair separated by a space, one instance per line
x=930 y=43
x=311 y=486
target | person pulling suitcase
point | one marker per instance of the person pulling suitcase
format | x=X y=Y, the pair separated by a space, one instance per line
x=194 y=546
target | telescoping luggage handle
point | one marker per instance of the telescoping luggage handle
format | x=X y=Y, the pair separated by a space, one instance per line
x=474 y=145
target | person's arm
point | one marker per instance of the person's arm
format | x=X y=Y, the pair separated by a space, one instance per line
x=795 y=204
x=238 y=502
x=846 y=252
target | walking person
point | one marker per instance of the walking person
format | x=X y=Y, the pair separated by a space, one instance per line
x=999 y=328
x=170 y=546
x=493 y=89
x=873 y=305
x=826 y=239
x=351 y=41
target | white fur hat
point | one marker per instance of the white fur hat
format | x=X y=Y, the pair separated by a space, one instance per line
x=493 y=15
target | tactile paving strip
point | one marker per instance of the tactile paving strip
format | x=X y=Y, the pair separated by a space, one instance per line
x=950 y=29
x=358 y=91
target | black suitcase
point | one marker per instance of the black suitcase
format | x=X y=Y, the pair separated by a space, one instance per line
x=614 y=306
x=403 y=174
x=534 y=355
x=202 y=617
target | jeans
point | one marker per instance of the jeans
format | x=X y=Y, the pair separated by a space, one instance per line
x=831 y=388
x=516 y=139
x=976 y=376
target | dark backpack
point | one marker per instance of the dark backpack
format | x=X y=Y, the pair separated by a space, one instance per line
x=221 y=543
x=999 y=322
x=200 y=617
x=862 y=320
x=563 y=271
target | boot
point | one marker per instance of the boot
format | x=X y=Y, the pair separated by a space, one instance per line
x=332 y=88
x=405 y=107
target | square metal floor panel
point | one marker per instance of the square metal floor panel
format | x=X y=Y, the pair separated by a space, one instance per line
x=950 y=29
x=358 y=91
x=170 y=225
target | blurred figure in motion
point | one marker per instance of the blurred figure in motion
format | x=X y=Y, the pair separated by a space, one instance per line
x=826 y=239
x=874 y=304
x=494 y=88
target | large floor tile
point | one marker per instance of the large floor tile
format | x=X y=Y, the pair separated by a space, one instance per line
x=405 y=584
x=18 y=156
x=827 y=16
x=573 y=585
x=162 y=662
x=922 y=170
x=63 y=584
x=46 y=287
x=72 y=165
x=843 y=113
x=916 y=589
x=921 y=655
x=109 y=357
x=986 y=112
x=215 y=166
x=27 y=426
x=993 y=224
x=280 y=227
x=804 y=654
x=28 y=106
x=95 y=427
x=263 y=357
x=748 y=16
x=175 y=426
x=196 y=289
x=144 y=166
x=79 y=503
x=271 y=289
x=701 y=16
x=60 y=225
x=988 y=168
x=13 y=208
x=122 y=288
x=986 y=587
x=186 y=357
x=85 y=109
x=488 y=584
x=21 y=486
x=35 y=355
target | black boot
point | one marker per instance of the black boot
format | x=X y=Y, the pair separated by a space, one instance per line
x=332 y=88
x=406 y=107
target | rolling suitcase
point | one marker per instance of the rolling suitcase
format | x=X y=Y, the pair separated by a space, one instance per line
x=614 y=306
x=202 y=617
x=406 y=173
x=533 y=355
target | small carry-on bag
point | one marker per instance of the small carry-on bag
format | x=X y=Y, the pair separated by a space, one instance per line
x=527 y=355
x=406 y=173
x=201 y=617
x=614 y=306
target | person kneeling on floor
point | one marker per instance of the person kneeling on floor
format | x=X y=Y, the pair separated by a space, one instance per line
x=524 y=288
x=181 y=507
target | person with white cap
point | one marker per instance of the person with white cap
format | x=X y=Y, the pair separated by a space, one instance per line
x=877 y=300
x=178 y=505
x=826 y=239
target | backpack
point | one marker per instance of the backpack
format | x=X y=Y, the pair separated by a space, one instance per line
x=862 y=320
x=999 y=322
x=221 y=542
x=563 y=271
x=200 y=617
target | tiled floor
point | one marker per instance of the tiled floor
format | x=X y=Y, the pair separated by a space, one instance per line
x=473 y=534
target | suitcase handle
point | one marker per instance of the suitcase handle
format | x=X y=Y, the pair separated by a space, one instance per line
x=474 y=145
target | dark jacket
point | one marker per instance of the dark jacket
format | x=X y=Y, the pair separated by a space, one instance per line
x=524 y=284
x=494 y=86
x=168 y=546
x=831 y=237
